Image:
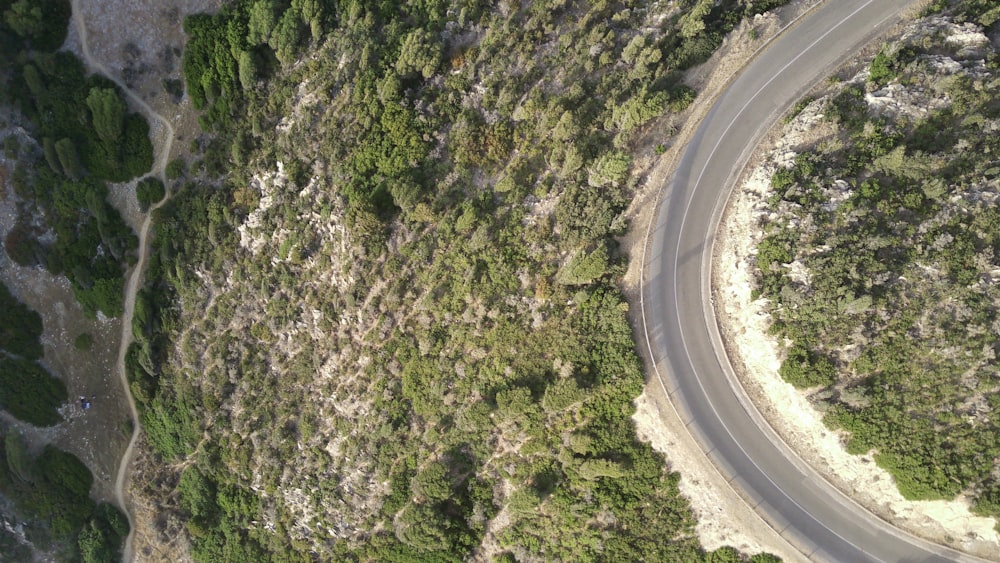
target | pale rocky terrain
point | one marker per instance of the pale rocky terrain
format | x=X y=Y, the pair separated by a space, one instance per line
x=146 y=53
x=303 y=332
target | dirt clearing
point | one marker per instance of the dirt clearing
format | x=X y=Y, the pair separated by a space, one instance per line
x=97 y=435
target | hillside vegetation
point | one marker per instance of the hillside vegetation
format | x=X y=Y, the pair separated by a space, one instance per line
x=49 y=496
x=384 y=322
x=883 y=253
x=64 y=136
x=82 y=136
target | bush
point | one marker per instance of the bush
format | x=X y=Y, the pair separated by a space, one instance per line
x=804 y=368
x=20 y=327
x=42 y=24
x=64 y=470
x=84 y=341
x=149 y=191
x=29 y=393
x=175 y=169
x=584 y=267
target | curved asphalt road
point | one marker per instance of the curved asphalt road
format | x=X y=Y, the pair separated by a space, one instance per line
x=679 y=321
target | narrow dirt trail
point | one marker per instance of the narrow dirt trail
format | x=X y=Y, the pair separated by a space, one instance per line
x=166 y=133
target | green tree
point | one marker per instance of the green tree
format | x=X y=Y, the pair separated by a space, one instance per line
x=29 y=393
x=197 y=494
x=43 y=23
x=804 y=368
x=432 y=482
x=51 y=157
x=312 y=14
x=94 y=546
x=18 y=459
x=25 y=17
x=66 y=471
x=248 y=70
x=420 y=54
x=611 y=168
x=693 y=22
x=286 y=37
x=20 y=327
x=34 y=81
x=262 y=21
x=584 y=267
x=149 y=192
x=108 y=113
x=69 y=160
x=422 y=527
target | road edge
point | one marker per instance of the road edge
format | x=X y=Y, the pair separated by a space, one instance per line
x=646 y=352
x=722 y=343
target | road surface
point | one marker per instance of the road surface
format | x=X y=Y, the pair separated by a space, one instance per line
x=679 y=322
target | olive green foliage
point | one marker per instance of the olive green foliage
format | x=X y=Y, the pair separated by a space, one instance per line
x=226 y=53
x=88 y=138
x=898 y=276
x=420 y=53
x=12 y=548
x=83 y=341
x=20 y=327
x=38 y=24
x=175 y=169
x=585 y=267
x=87 y=111
x=149 y=191
x=107 y=110
x=29 y=393
x=51 y=495
x=887 y=64
x=403 y=390
x=92 y=240
x=19 y=461
x=804 y=368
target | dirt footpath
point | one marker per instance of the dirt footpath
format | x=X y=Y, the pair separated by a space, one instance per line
x=139 y=44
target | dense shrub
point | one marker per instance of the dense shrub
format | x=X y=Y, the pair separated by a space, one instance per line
x=493 y=152
x=29 y=392
x=892 y=320
x=51 y=499
x=41 y=24
x=20 y=327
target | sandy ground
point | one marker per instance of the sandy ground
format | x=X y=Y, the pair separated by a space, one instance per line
x=724 y=517
x=756 y=357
